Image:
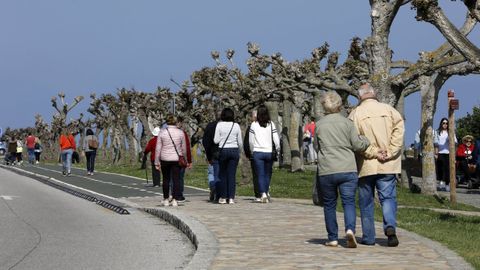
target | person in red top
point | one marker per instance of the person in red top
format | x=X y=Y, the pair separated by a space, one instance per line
x=67 y=146
x=308 y=134
x=150 y=148
x=464 y=157
x=30 y=143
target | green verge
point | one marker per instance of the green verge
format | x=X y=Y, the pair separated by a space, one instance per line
x=459 y=233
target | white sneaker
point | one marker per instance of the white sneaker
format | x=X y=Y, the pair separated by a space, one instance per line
x=170 y=198
x=351 y=241
x=222 y=201
x=333 y=243
x=264 y=198
x=166 y=202
x=257 y=199
x=174 y=202
x=231 y=201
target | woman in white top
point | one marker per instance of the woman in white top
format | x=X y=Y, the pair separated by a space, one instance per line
x=228 y=136
x=263 y=134
x=442 y=152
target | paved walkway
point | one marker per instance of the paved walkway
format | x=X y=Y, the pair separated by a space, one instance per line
x=287 y=234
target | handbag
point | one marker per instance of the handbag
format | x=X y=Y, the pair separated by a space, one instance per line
x=274 y=149
x=182 y=162
x=216 y=154
x=93 y=144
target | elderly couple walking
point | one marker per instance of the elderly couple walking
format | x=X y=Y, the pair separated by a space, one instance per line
x=374 y=133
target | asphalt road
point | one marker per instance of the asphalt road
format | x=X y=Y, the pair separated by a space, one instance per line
x=45 y=228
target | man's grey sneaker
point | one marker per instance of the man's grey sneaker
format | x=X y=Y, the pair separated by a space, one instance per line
x=392 y=237
x=351 y=241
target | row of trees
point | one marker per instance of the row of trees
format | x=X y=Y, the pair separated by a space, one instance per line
x=292 y=89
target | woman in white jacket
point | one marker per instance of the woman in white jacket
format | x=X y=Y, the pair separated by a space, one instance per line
x=263 y=141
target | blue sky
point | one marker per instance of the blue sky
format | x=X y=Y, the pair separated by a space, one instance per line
x=88 y=46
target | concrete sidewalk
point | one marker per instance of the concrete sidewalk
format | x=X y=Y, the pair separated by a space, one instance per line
x=290 y=234
x=286 y=234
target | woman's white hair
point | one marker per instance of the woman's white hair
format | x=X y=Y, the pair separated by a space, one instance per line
x=365 y=88
x=331 y=102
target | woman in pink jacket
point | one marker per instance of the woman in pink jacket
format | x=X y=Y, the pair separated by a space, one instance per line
x=170 y=146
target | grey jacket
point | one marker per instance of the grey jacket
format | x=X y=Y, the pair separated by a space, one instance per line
x=337 y=140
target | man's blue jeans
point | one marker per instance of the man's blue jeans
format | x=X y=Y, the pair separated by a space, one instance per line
x=213 y=170
x=228 y=163
x=346 y=183
x=31 y=155
x=263 y=167
x=387 y=194
x=67 y=160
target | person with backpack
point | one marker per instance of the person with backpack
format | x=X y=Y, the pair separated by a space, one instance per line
x=90 y=146
x=67 y=146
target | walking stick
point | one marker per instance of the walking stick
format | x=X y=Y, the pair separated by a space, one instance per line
x=146 y=172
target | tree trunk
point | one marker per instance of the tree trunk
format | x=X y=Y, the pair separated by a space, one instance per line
x=429 y=98
x=295 y=135
x=285 y=134
x=273 y=111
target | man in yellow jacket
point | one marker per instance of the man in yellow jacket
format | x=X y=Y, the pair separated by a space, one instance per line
x=380 y=163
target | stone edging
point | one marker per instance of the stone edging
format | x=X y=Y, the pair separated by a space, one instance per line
x=204 y=241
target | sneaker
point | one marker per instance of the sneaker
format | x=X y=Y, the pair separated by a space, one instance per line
x=69 y=173
x=257 y=199
x=166 y=202
x=351 y=241
x=333 y=243
x=231 y=201
x=392 y=237
x=264 y=198
x=181 y=199
x=174 y=202
x=88 y=173
x=222 y=201
x=64 y=173
x=91 y=173
x=170 y=198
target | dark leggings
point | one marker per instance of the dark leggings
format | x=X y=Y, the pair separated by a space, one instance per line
x=443 y=168
x=155 y=175
x=37 y=156
x=90 y=155
x=170 y=170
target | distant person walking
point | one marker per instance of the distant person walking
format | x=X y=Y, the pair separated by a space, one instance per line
x=90 y=146
x=19 y=152
x=379 y=164
x=38 y=150
x=338 y=139
x=229 y=136
x=67 y=146
x=263 y=136
x=12 y=151
x=150 y=148
x=30 y=144
x=171 y=145
x=308 y=138
x=249 y=155
x=211 y=151
x=442 y=153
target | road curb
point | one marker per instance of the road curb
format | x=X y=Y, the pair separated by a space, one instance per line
x=204 y=241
